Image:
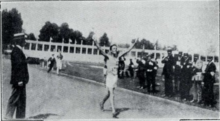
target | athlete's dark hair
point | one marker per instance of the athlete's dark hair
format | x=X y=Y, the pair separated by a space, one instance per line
x=112 y=46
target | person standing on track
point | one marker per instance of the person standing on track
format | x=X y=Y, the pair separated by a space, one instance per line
x=59 y=61
x=111 y=75
x=168 y=73
x=19 y=78
x=150 y=74
x=51 y=62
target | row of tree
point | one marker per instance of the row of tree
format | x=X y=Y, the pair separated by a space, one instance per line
x=12 y=23
x=67 y=35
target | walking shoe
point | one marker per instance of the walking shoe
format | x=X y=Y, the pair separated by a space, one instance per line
x=101 y=106
x=115 y=114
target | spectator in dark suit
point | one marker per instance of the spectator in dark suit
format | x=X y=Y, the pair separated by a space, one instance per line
x=168 y=73
x=177 y=72
x=151 y=67
x=130 y=68
x=19 y=79
x=140 y=73
x=186 y=76
x=121 y=68
x=209 y=80
x=51 y=62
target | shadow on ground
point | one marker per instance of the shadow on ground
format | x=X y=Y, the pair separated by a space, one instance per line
x=42 y=116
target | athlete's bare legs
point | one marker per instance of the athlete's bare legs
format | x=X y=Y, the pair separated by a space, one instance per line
x=112 y=99
x=105 y=99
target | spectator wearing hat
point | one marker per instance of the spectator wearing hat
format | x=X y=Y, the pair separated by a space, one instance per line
x=177 y=72
x=121 y=68
x=168 y=68
x=186 y=78
x=197 y=79
x=141 y=73
x=19 y=79
x=105 y=66
x=209 y=80
x=131 y=68
x=151 y=67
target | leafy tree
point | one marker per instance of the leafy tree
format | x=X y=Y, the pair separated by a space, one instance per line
x=54 y=32
x=78 y=36
x=144 y=43
x=45 y=32
x=89 y=39
x=164 y=48
x=72 y=36
x=11 y=24
x=104 y=41
x=174 y=47
x=31 y=36
x=123 y=45
x=65 y=32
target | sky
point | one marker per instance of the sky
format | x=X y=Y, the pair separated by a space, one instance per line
x=191 y=25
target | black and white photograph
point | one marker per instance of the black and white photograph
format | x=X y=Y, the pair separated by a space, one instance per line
x=140 y=60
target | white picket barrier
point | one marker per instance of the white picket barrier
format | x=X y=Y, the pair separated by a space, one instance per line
x=84 y=53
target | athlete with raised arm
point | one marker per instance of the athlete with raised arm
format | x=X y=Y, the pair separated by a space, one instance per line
x=111 y=75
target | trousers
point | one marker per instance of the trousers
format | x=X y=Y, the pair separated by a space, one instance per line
x=168 y=86
x=17 y=103
x=150 y=81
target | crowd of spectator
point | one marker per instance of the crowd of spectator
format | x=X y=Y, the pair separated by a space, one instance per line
x=190 y=79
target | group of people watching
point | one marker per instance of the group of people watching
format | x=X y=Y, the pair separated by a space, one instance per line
x=183 y=74
x=125 y=70
x=189 y=78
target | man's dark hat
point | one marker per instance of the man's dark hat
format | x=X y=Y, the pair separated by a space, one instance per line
x=210 y=57
x=185 y=54
x=196 y=55
x=152 y=55
x=169 y=49
x=180 y=53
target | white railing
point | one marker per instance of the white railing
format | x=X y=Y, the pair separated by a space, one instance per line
x=80 y=52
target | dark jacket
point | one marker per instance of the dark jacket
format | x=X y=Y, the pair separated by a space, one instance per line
x=52 y=61
x=178 y=63
x=168 y=66
x=141 y=68
x=19 y=67
x=149 y=66
x=210 y=68
x=187 y=71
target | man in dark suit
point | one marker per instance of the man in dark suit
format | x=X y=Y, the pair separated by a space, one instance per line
x=19 y=79
x=209 y=80
x=186 y=77
x=168 y=68
x=52 y=62
x=177 y=72
x=140 y=73
x=151 y=68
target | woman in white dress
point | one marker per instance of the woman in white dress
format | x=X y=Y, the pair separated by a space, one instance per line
x=59 y=58
x=111 y=74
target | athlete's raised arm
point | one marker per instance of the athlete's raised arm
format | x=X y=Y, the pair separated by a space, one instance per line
x=99 y=48
x=129 y=49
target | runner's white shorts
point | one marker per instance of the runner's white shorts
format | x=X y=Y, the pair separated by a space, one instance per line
x=111 y=80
